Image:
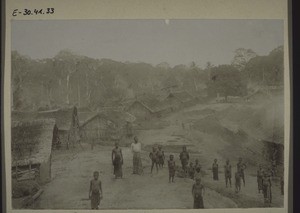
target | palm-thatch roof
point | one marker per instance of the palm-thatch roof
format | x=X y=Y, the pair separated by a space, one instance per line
x=118 y=117
x=31 y=142
x=182 y=96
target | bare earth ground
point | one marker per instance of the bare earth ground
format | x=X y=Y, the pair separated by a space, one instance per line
x=72 y=170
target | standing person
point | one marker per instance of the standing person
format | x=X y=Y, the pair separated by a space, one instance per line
x=198 y=192
x=266 y=181
x=161 y=157
x=184 y=158
x=241 y=166
x=237 y=182
x=172 y=168
x=154 y=158
x=227 y=173
x=95 y=192
x=117 y=161
x=136 y=148
x=215 y=168
x=260 y=175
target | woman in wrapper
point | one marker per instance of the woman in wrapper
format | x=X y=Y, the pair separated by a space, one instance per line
x=184 y=158
x=117 y=161
x=215 y=171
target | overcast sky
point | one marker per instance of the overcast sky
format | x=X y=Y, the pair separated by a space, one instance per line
x=150 y=41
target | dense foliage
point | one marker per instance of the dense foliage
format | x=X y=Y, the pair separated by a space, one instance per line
x=69 y=79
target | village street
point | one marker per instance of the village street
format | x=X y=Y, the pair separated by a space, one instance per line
x=72 y=170
x=133 y=192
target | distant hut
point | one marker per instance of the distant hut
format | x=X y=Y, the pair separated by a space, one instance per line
x=107 y=126
x=180 y=99
x=143 y=108
x=257 y=96
x=31 y=150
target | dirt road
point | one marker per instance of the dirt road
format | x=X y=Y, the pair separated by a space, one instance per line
x=72 y=173
x=72 y=170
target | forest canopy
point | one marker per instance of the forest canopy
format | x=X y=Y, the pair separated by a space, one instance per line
x=71 y=79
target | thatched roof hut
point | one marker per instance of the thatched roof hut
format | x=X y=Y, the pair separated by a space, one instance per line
x=32 y=146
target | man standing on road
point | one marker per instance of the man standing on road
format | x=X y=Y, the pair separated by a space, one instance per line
x=136 y=148
x=227 y=172
x=184 y=158
x=241 y=166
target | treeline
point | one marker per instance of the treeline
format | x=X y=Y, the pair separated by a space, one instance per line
x=69 y=79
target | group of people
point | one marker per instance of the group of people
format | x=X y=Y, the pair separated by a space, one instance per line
x=191 y=170
x=95 y=191
x=157 y=157
x=265 y=185
x=263 y=177
x=239 y=174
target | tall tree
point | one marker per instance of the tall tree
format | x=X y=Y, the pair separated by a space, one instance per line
x=241 y=58
x=266 y=70
x=226 y=81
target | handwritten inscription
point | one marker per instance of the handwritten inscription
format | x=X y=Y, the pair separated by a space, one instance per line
x=29 y=12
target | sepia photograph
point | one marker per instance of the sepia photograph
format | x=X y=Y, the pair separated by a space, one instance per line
x=147 y=114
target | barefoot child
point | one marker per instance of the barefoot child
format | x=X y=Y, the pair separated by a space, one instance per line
x=197 y=192
x=171 y=166
x=95 y=192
